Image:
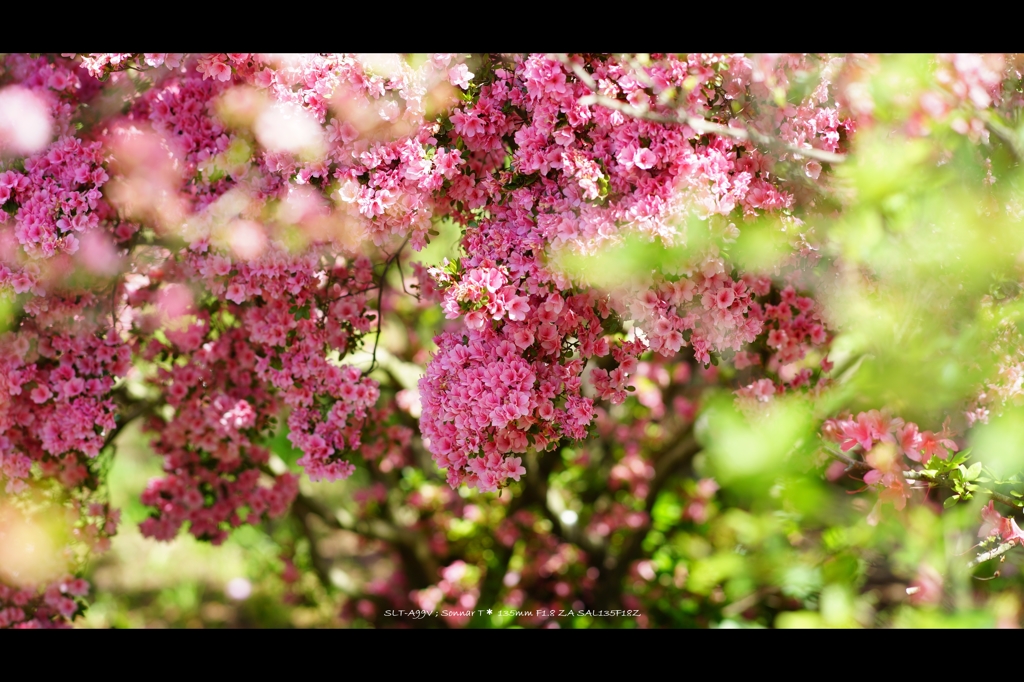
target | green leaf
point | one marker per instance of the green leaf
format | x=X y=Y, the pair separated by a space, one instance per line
x=973 y=472
x=950 y=501
x=959 y=459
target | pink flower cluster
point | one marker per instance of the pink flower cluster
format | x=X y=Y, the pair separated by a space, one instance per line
x=715 y=311
x=54 y=606
x=587 y=175
x=291 y=315
x=484 y=409
x=181 y=110
x=329 y=403
x=56 y=376
x=381 y=163
x=650 y=172
x=481 y=293
x=213 y=465
x=871 y=428
x=995 y=524
x=101 y=64
x=612 y=385
x=501 y=389
x=458 y=590
x=56 y=197
x=210 y=501
x=60 y=82
x=794 y=326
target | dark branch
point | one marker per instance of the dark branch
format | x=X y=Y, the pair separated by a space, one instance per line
x=380 y=299
x=608 y=594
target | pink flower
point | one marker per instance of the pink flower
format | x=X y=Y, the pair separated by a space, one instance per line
x=870 y=427
x=236 y=293
x=78 y=587
x=218 y=70
x=724 y=298
x=910 y=440
x=518 y=308
x=997 y=524
x=40 y=394
x=459 y=76
x=514 y=468
x=476 y=319
x=644 y=158
x=926 y=587
x=73 y=387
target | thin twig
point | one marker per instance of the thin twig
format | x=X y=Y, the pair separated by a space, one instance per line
x=401 y=275
x=992 y=554
x=380 y=309
x=358 y=291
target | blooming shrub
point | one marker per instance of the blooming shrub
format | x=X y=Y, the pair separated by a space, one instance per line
x=665 y=288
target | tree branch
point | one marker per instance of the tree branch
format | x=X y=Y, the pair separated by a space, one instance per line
x=1003 y=132
x=991 y=554
x=137 y=410
x=608 y=594
x=856 y=466
x=300 y=511
x=380 y=299
x=376 y=529
x=942 y=482
x=701 y=125
x=538 y=470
